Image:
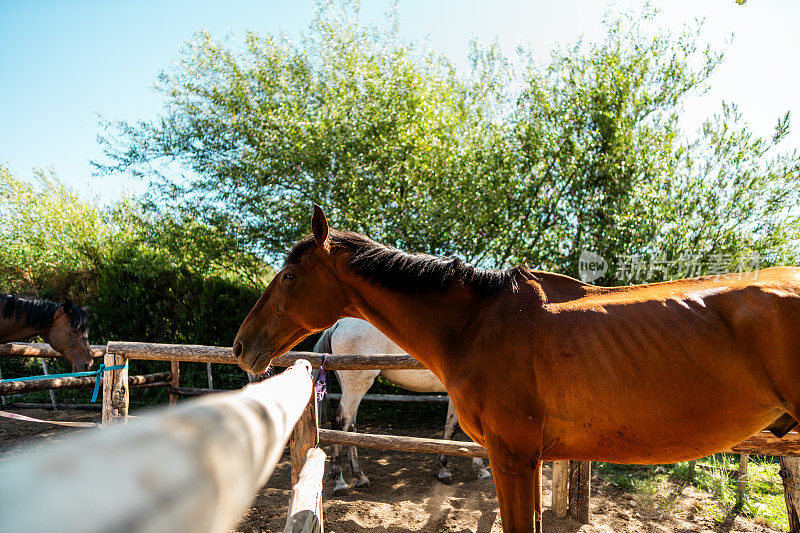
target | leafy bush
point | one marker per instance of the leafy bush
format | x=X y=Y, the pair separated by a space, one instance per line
x=147 y=277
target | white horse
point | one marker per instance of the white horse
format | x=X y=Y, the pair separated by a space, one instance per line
x=354 y=336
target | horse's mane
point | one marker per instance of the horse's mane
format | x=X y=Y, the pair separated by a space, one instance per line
x=402 y=271
x=38 y=313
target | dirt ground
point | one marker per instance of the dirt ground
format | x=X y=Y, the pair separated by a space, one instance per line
x=405 y=496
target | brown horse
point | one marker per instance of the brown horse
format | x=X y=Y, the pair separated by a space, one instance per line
x=65 y=326
x=543 y=367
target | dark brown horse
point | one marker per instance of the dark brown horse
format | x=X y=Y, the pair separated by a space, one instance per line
x=543 y=367
x=65 y=326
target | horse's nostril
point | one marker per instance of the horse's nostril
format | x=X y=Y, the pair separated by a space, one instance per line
x=237 y=349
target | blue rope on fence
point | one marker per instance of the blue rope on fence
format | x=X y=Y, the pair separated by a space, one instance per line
x=97 y=373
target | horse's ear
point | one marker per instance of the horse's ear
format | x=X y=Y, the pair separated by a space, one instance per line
x=319 y=225
x=67 y=306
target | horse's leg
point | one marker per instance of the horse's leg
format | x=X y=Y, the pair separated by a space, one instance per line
x=355 y=384
x=335 y=472
x=444 y=474
x=515 y=481
x=355 y=468
x=537 y=496
x=480 y=468
x=450 y=426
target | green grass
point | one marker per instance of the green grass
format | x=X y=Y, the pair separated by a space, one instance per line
x=764 y=502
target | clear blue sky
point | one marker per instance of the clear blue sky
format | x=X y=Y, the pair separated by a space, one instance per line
x=64 y=62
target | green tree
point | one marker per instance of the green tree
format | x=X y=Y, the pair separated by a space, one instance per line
x=513 y=160
x=606 y=167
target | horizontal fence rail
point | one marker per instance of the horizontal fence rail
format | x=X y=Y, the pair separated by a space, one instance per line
x=81 y=382
x=765 y=443
x=404 y=398
x=217 y=354
x=194 y=468
x=402 y=444
x=762 y=443
x=40 y=349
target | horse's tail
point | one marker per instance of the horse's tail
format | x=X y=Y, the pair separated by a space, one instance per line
x=323 y=344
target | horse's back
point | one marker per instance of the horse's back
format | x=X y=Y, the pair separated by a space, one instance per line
x=675 y=366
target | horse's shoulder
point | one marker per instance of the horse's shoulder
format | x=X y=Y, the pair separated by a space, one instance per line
x=557 y=288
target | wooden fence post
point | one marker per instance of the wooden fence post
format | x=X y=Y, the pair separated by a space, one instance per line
x=305 y=506
x=741 y=479
x=580 y=473
x=2 y=398
x=175 y=368
x=46 y=373
x=115 y=391
x=790 y=474
x=304 y=437
x=560 y=488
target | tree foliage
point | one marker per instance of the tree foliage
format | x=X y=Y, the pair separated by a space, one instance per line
x=147 y=276
x=513 y=160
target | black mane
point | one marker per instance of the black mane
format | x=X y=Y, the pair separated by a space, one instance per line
x=38 y=313
x=402 y=271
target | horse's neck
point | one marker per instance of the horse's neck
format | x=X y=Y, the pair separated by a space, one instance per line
x=12 y=329
x=422 y=325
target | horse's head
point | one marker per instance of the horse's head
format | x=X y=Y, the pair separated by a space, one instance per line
x=69 y=335
x=306 y=296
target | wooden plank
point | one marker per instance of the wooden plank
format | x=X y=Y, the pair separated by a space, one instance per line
x=304 y=437
x=82 y=382
x=160 y=378
x=175 y=368
x=216 y=354
x=402 y=444
x=41 y=349
x=409 y=398
x=305 y=506
x=580 y=473
x=560 y=488
x=193 y=468
x=76 y=406
x=352 y=361
x=191 y=391
x=790 y=474
x=765 y=443
x=115 y=391
x=173 y=352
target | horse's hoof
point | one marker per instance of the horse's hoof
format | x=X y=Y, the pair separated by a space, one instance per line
x=446 y=478
x=362 y=483
x=484 y=474
x=341 y=491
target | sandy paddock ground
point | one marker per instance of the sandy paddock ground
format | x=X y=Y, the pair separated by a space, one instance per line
x=404 y=495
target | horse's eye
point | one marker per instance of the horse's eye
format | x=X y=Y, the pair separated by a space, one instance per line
x=289 y=276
